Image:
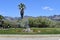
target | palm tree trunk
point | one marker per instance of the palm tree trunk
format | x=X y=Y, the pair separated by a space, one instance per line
x=22 y=13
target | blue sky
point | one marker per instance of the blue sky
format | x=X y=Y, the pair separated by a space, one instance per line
x=33 y=7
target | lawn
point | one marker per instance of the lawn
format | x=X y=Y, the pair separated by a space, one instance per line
x=35 y=31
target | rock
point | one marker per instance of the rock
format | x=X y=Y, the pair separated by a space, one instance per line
x=39 y=31
x=26 y=30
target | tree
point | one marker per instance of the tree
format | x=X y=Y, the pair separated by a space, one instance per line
x=1 y=17
x=1 y=21
x=31 y=22
x=21 y=7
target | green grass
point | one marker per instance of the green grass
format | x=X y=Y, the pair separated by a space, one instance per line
x=35 y=31
x=47 y=30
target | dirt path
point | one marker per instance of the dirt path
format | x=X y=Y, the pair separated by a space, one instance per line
x=29 y=37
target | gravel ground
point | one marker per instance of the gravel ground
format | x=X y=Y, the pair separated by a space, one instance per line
x=29 y=37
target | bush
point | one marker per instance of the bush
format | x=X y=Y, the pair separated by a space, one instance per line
x=41 y=22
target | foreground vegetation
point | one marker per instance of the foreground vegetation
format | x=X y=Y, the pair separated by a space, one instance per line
x=38 y=25
x=35 y=31
x=38 y=22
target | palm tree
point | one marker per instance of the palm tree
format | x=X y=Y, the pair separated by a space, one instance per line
x=21 y=7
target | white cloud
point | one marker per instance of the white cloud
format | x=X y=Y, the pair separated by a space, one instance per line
x=47 y=8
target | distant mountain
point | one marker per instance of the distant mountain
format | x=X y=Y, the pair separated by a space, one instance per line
x=54 y=17
x=16 y=18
